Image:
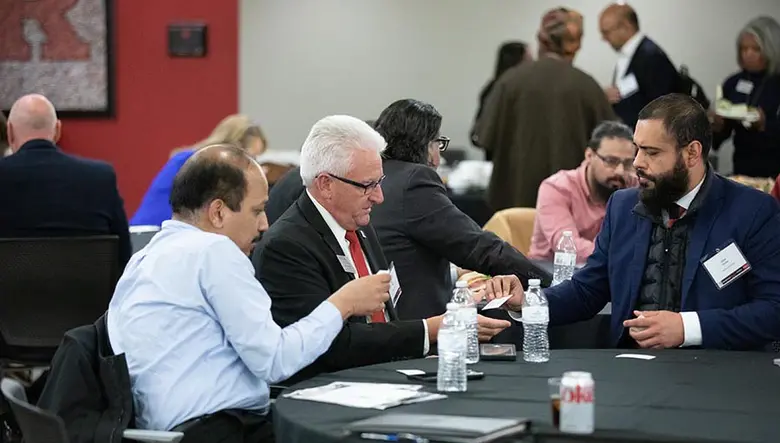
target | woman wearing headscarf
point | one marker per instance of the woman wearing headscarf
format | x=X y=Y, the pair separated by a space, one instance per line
x=234 y=129
x=756 y=85
x=420 y=229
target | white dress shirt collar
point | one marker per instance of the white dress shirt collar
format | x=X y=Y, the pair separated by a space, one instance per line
x=629 y=48
x=686 y=200
x=334 y=226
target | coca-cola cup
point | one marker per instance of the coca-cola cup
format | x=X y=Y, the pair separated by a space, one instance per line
x=554 y=384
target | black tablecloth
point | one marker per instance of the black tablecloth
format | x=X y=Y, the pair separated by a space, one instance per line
x=682 y=394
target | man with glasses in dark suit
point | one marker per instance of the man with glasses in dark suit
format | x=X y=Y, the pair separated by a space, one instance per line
x=324 y=240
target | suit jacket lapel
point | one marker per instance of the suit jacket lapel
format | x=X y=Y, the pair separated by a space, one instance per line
x=630 y=69
x=707 y=205
x=376 y=260
x=368 y=249
x=314 y=218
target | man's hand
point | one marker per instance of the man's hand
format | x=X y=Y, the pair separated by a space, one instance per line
x=760 y=124
x=504 y=286
x=362 y=296
x=613 y=94
x=433 y=323
x=487 y=327
x=656 y=329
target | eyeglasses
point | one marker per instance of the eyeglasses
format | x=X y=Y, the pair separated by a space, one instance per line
x=442 y=142
x=614 y=162
x=366 y=187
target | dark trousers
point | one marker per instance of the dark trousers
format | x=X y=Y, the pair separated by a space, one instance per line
x=232 y=426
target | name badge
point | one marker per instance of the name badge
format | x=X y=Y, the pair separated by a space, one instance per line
x=726 y=266
x=395 y=285
x=346 y=264
x=744 y=87
x=627 y=86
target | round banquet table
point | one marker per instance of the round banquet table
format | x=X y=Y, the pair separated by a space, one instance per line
x=681 y=395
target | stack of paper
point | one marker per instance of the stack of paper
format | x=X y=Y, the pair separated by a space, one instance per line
x=365 y=395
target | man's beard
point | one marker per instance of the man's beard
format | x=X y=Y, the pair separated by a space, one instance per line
x=604 y=191
x=669 y=187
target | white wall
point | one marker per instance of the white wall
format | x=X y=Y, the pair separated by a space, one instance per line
x=301 y=60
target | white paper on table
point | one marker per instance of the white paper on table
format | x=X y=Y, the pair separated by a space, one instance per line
x=496 y=303
x=364 y=395
x=636 y=356
x=410 y=371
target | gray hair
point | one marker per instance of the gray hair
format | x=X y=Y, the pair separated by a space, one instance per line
x=767 y=31
x=330 y=144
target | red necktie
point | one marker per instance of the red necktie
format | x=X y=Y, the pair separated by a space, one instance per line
x=677 y=212
x=362 y=270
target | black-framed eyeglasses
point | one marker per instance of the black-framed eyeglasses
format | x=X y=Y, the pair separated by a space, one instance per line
x=614 y=162
x=366 y=187
x=442 y=142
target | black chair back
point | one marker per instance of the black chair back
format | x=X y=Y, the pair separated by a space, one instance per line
x=140 y=238
x=37 y=425
x=51 y=285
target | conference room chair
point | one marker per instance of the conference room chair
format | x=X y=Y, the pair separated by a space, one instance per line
x=140 y=236
x=515 y=226
x=40 y=426
x=48 y=286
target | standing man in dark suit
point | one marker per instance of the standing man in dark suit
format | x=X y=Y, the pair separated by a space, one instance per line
x=419 y=227
x=643 y=71
x=325 y=240
x=689 y=258
x=46 y=192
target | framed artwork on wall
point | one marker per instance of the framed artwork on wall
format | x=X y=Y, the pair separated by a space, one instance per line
x=62 y=49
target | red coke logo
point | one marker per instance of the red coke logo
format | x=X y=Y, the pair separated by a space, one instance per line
x=577 y=394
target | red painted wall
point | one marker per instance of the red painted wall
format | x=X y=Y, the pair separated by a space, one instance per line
x=161 y=102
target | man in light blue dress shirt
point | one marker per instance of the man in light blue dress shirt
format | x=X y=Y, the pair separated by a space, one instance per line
x=195 y=324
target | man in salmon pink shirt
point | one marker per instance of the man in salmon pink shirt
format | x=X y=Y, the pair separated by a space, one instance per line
x=575 y=200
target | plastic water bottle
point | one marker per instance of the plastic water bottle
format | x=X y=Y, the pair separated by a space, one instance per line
x=452 y=342
x=565 y=258
x=536 y=317
x=463 y=297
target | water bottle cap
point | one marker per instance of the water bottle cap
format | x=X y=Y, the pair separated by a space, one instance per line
x=534 y=282
x=568 y=234
x=461 y=284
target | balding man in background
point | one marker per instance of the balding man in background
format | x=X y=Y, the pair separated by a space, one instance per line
x=47 y=193
x=539 y=115
x=643 y=71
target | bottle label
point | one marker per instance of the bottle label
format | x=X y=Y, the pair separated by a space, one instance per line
x=565 y=259
x=536 y=314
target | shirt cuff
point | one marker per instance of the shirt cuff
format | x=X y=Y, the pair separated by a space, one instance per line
x=453 y=274
x=691 y=329
x=516 y=316
x=427 y=341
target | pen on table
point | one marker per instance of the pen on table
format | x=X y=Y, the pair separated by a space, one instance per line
x=393 y=437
